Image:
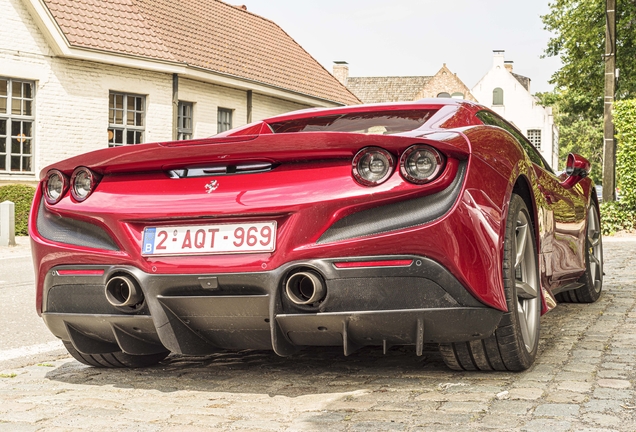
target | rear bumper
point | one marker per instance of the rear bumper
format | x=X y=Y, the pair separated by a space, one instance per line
x=203 y=313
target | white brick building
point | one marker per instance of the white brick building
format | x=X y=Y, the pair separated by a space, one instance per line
x=508 y=94
x=71 y=82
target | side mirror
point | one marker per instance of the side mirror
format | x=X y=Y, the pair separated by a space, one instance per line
x=576 y=169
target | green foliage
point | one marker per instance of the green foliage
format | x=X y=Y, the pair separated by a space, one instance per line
x=21 y=196
x=578 y=132
x=578 y=28
x=625 y=121
x=615 y=216
x=621 y=215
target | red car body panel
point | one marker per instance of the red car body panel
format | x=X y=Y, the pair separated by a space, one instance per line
x=311 y=189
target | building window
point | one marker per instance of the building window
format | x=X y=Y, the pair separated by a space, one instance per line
x=457 y=95
x=184 y=121
x=497 y=96
x=126 y=119
x=443 y=95
x=534 y=136
x=16 y=125
x=224 y=120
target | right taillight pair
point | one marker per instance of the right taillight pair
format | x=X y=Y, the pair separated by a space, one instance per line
x=419 y=164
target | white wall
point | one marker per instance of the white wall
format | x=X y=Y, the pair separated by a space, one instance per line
x=519 y=106
x=207 y=98
x=267 y=106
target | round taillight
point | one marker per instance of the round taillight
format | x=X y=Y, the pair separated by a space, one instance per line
x=420 y=164
x=83 y=183
x=55 y=186
x=372 y=166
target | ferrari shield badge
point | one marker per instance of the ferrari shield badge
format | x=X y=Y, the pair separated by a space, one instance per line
x=211 y=187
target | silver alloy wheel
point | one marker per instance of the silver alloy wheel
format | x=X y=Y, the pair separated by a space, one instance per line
x=514 y=344
x=594 y=248
x=526 y=282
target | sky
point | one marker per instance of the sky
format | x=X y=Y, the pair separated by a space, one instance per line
x=415 y=37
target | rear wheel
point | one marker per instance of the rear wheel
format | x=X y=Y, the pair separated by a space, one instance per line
x=514 y=344
x=116 y=359
x=592 y=279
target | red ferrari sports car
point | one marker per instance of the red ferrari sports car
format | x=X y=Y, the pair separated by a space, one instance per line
x=396 y=224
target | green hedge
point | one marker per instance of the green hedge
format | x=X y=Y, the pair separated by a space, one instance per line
x=621 y=215
x=616 y=217
x=625 y=121
x=22 y=197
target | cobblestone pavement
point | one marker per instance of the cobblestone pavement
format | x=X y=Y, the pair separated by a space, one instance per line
x=583 y=380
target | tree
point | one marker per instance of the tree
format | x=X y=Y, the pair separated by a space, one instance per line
x=578 y=28
x=579 y=40
x=579 y=132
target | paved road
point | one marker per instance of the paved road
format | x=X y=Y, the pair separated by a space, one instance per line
x=583 y=380
x=23 y=336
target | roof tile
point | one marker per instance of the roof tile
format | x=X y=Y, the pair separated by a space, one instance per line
x=524 y=81
x=387 y=89
x=208 y=34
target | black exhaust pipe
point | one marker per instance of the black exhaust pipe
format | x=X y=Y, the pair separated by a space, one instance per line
x=123 y=290
x=305 y=287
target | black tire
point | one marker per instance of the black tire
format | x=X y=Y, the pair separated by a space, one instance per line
x=116 y=359
x=592 y=279
x=514 y=344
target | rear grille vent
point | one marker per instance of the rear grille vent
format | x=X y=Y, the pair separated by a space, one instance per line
x=216 y=170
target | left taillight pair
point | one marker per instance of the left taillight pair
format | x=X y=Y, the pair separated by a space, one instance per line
x=419 y=164
x=82 y=183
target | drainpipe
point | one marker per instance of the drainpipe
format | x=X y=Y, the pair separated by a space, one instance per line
x=249 y=106
x=175 y=106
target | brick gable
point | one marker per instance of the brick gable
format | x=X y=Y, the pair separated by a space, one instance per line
x=387 y=89
x=444 y=81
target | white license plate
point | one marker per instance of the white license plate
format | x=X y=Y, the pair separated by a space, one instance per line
x=209 y=239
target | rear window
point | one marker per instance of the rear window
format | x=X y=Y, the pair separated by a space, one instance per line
x=375 y=123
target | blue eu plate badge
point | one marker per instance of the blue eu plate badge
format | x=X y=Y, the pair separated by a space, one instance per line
x=149 y=240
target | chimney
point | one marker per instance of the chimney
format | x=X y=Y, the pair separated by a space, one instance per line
x=498 y=59
x=242 y=7
x=341 y=71
x=508 y=65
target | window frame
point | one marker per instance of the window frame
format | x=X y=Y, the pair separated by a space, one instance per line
x=532 y=140
x=9 y=118
x=222 y=126
x=185 y=115
x=124 y=128
x=497 y=97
